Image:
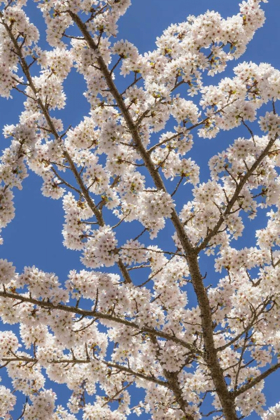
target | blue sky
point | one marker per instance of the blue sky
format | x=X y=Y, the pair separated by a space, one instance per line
x=34 y=237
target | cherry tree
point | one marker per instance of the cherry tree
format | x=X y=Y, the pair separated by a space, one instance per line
x=124 y=322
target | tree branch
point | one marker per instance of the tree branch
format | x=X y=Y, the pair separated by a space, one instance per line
x=191 y=254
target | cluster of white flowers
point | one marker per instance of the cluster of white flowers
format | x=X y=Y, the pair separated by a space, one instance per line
x=83 y=135
x=271 y=123
x=43 y=405
x=272 y=413
x=7 y=81
x=268 y=237
x=125 y=50
x=26 y=381
x=101 y=248
x=185 y=111
x=58 y=62
x=236 y=100
x=133 y=252
x=7 y=209
x=7 y=402
x=75 y=229
x=98 y=411
x=7 y=271
x=41 y=284
x=173 y=165
x=9 y=343
x=19 y=24
x=155 y=206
